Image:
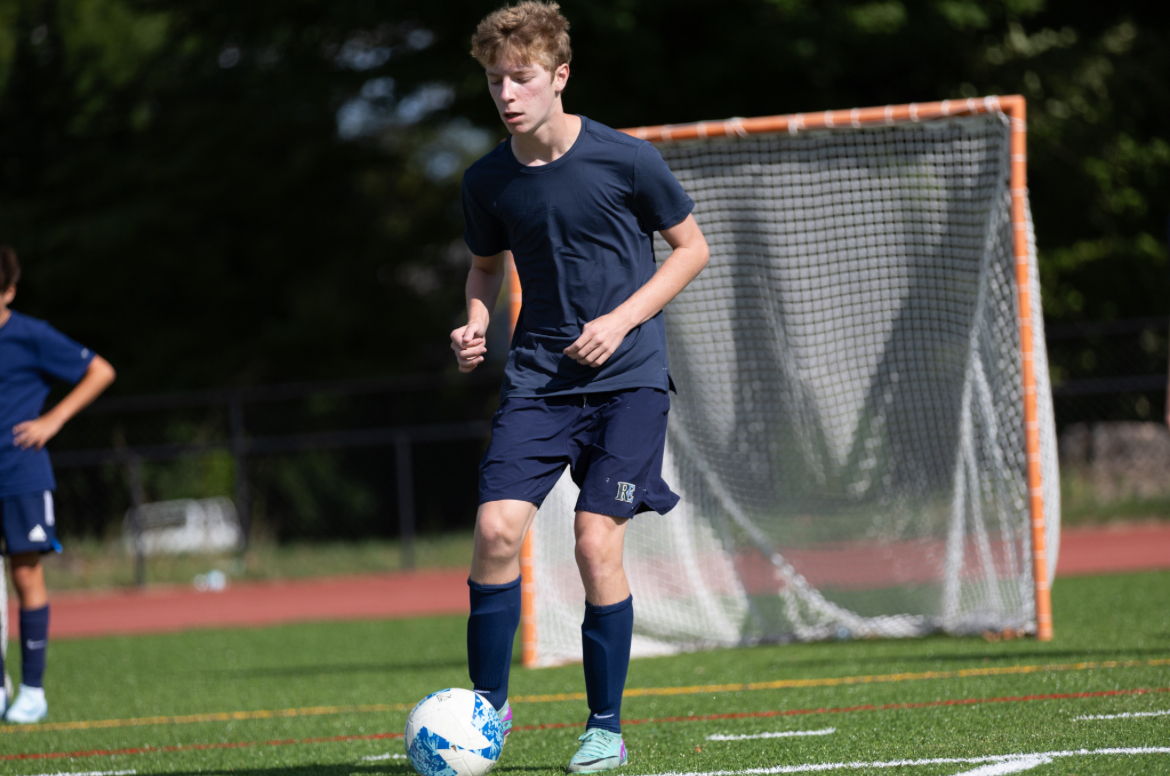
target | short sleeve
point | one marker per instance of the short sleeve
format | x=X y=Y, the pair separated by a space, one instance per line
x=61 y=357
x=659 y=199
x=484 y=234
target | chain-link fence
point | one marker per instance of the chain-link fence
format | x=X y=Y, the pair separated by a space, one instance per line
x=1109 y=386
x=395 y=457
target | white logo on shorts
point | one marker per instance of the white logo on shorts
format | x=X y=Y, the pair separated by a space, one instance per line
x=625 y=492
x=50 y=517
x=38 y=535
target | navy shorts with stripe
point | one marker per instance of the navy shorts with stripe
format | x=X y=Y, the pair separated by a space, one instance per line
x=612 y=442
x=28 y=523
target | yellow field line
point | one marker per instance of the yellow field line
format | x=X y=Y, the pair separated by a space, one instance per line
x=636 y=692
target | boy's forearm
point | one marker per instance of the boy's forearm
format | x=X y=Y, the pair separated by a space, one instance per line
x=681 y=267
x=483 y=288
x=97 y=378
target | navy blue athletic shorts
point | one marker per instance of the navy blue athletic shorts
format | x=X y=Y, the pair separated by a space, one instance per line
x=28 y=523
x=611 y=441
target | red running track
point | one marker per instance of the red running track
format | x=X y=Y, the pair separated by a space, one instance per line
x=1094 y=550
x=249 y=604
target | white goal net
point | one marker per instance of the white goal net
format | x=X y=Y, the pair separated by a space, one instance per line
x=848 y=436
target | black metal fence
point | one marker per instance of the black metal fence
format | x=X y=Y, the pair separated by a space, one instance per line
x=344 y=459
x=396 y=456
x=1109 y=393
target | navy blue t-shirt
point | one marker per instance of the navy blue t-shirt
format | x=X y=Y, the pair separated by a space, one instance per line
x=32 y=355
x=581 y=232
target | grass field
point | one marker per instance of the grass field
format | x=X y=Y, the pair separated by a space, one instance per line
x=331 y=699
x=88 y=564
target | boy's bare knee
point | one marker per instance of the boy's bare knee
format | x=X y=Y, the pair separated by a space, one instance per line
x=499 y=530
x=496 y=541
x=598 y=554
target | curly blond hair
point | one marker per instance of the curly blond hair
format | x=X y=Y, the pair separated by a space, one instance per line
x=529 y=32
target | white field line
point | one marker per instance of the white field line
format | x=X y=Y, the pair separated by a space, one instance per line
x=1124 y=716
x=1033 y=758
x=1007 y=766
x=89 y=773
x=778 y=734
x=376 y=757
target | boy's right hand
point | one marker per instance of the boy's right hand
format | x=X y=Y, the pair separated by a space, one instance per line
x=469 y=345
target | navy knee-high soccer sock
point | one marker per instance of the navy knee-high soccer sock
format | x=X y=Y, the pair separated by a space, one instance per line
x=34 y=637
x=491 y=628
x=605 y=645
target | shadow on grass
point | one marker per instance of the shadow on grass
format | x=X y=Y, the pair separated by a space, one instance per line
x=994 y=654
x=330 y=769
x=333 y=669
x=343 y=769
x=336 y=669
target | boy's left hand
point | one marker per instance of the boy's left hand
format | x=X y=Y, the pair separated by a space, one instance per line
x=35 y=433
x=600 y=339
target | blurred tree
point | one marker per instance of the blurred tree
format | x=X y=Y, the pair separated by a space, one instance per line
x=184 y=198
x=213 y=192
x=216 y=193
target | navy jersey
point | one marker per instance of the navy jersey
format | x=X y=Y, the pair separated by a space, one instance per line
x=581 y=231
x=32 y=355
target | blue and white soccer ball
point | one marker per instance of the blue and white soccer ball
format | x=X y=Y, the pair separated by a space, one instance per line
x=453 y=733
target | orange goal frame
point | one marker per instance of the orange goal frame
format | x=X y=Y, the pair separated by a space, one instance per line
x=1015 y=108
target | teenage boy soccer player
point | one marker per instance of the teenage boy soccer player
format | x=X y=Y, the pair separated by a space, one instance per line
x=32 y=353
x=586 y=382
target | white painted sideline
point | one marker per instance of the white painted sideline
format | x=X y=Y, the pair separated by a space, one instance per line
x=1032 y=758
x=778 y=734
x=1124 y=716
x=375 y=757
x=89 y=773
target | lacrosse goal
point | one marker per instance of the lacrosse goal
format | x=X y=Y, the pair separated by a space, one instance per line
x=863 y=437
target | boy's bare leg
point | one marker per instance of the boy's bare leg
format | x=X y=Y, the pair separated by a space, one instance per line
x=28 y=577
x=600 y=539
x=500 y=527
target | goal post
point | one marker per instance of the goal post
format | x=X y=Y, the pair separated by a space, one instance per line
x=863 y=439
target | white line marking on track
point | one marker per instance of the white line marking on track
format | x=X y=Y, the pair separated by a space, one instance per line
x=89 y=773
x=1124 y=716
x=995 y=758
x=778 y=734
x=375 y=757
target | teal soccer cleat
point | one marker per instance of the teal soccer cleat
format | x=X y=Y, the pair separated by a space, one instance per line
x=505 y=713
x=29 y=707
x=600 y=750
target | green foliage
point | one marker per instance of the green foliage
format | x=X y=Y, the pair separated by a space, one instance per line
x=882 y=18
x=174 y=176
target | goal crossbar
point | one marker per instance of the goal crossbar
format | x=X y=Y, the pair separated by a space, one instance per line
x=1013 y=107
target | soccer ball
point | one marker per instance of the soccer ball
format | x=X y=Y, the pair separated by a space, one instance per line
x=453 y=733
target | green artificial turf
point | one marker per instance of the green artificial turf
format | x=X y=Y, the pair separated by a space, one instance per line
x=1098 y=619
